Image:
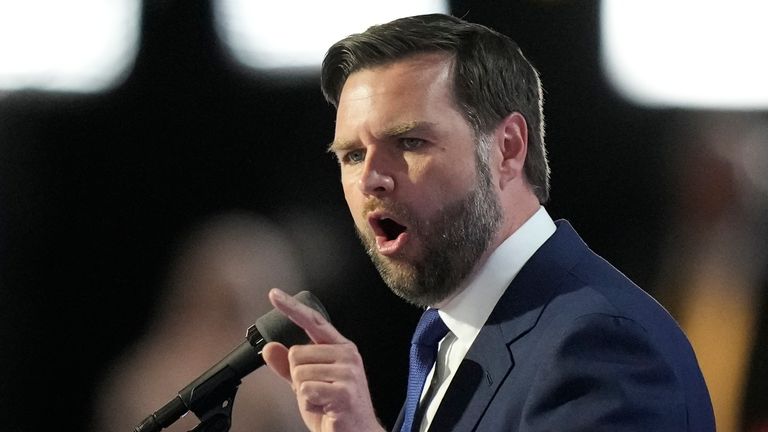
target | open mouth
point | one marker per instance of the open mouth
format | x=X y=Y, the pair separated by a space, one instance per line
x=390 y=228
x=390 y=234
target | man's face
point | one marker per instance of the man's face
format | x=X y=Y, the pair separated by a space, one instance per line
x=422 y=204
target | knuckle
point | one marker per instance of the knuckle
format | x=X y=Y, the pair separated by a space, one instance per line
x=294 y=353
x=304 y=390
x=352 y=354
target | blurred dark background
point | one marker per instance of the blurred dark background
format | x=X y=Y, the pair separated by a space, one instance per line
x=98 y=192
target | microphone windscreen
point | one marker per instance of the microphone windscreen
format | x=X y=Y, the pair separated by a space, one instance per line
x=276 y=327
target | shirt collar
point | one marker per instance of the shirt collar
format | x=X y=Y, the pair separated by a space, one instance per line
x=466 y=313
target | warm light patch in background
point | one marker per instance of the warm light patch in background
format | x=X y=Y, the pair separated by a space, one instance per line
x=687 y=53
x=72 y=46
x=296 y=34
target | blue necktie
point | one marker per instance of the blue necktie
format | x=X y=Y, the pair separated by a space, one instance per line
x=428 y=334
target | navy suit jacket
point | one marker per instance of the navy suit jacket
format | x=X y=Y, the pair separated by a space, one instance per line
x=573 y=345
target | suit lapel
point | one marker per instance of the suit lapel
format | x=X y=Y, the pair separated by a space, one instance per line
x=488 y=362
x=476 y=381
x=484 y=369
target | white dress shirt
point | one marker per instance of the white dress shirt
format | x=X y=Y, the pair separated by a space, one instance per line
x=465 y=314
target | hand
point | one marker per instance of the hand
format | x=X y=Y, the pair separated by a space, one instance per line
x=328 y=377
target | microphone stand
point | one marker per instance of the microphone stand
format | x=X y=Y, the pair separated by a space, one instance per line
x=212 y=395
x=214 y=408
x=213 y=399
x=217 y=415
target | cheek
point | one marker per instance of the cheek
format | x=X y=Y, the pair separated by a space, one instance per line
x=354 y=202
x=445 y=184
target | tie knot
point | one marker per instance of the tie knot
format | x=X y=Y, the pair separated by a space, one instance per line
x=430 y=330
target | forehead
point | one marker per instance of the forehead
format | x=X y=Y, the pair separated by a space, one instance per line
x=409 y=72
x=412 y=89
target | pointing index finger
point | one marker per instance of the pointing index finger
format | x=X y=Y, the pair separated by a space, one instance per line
x=319 y=330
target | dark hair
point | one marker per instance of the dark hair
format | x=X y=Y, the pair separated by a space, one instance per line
x=491 y=77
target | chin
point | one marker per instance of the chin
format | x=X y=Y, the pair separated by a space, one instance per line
x=423 y=299
x=414 y=288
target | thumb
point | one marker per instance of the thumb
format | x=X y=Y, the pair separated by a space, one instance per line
x=276 y=357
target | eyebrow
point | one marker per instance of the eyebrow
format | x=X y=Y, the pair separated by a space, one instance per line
x=339 y=146
x=389 y=132
x=404 y=128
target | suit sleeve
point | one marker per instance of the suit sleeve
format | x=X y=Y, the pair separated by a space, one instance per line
x=603 y=374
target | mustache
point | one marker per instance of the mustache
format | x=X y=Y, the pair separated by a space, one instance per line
x=398 y=211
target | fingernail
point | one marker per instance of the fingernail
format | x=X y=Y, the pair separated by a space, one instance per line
x=278 y=295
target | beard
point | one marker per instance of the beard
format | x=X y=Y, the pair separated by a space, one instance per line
x=452 y=242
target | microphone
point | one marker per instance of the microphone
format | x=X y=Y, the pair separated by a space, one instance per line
x=221 y=381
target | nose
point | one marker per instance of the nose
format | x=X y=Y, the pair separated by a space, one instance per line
x=376 y=178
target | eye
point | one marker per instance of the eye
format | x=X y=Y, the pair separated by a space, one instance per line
x=353 y=157
x=410 y=144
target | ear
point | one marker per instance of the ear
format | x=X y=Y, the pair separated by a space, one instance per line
x=512 y=141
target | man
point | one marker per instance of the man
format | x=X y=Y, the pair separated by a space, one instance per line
x=439 y=136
